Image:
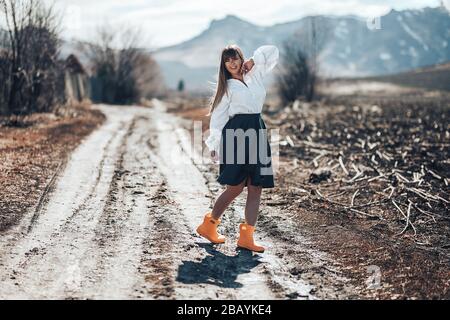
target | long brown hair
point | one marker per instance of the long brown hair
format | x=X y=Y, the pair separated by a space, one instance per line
x=230 y=51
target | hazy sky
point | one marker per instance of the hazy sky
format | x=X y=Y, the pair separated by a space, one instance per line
x=166 y=22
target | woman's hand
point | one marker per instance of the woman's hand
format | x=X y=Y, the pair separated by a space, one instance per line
x=247 y=66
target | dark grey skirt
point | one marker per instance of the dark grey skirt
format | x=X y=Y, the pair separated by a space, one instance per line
x=245 y=152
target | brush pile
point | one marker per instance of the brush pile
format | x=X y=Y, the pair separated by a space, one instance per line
x=384 y=161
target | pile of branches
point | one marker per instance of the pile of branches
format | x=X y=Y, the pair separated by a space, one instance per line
x=377 y=161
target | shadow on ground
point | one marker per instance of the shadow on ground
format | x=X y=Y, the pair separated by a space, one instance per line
x=217 y=268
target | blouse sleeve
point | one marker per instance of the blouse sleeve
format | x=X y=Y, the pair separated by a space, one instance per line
x=266 y=58
x=219 y=118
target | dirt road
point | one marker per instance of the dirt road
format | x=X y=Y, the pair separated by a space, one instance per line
x=118 y=222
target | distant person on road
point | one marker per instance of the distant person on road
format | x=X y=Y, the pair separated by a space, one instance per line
x=238 y=139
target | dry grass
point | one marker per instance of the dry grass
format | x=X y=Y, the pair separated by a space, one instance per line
x=32 y=148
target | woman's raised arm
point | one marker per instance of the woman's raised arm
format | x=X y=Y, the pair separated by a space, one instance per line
x=265 y=58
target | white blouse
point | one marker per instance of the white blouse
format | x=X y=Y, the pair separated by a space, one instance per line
x=240 y=98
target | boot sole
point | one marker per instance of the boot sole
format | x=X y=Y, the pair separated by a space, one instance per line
x=245 y=248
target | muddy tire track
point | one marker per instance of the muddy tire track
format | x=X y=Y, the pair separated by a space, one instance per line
x=157 y=264
x=99 y=175
x=43 y=200
x=123 y=224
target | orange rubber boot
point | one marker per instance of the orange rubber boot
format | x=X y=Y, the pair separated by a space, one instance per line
x=208 y=229
x=246 y=238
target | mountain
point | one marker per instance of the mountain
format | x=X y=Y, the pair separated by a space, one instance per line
x=407 y=39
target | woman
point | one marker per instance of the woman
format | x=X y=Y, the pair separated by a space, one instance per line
x=238 y=137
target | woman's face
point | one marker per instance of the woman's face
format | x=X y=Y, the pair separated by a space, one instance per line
x=233 y=65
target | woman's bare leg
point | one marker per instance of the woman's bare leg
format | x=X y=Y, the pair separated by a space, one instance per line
x=253 y=202
x=224 y=200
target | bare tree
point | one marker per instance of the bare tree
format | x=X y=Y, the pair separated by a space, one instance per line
x=30 y=64
x=301 y=61
x=123 y=73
